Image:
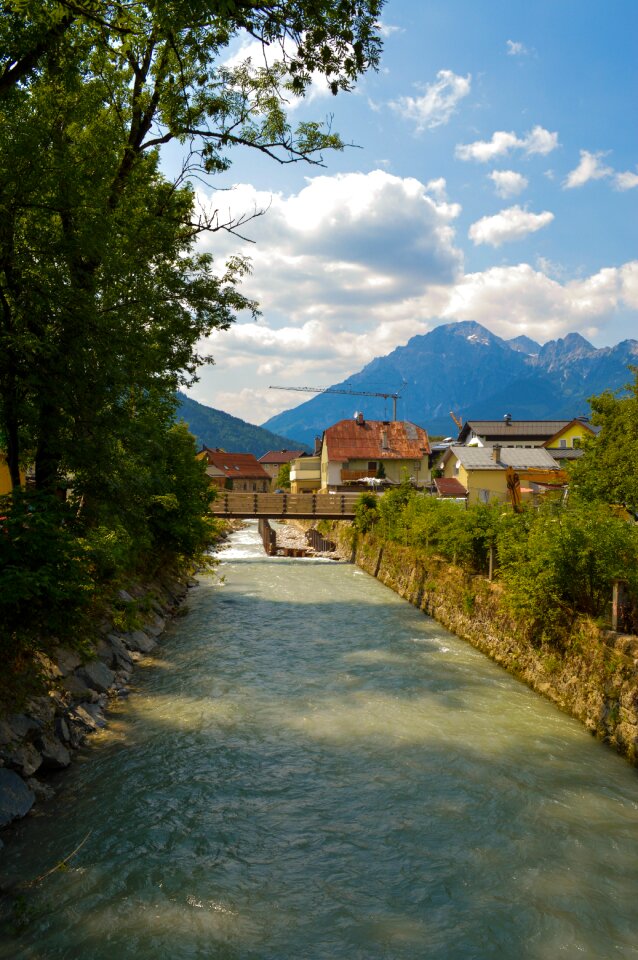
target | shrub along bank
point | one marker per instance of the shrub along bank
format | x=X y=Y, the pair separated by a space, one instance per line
x=544 y=616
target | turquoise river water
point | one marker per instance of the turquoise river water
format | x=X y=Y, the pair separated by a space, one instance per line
x=313 y=770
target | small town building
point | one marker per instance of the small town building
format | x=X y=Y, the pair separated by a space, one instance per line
x=566 y=444
x=512 y=433
x=235 y=471
x=274 y=460
x=357 y=449
x=483 y=471
x=305 y=474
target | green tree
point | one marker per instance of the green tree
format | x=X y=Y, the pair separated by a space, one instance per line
x=608 y=469
x=283 y=477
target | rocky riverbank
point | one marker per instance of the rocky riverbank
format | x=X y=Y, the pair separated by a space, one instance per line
x=42 y=739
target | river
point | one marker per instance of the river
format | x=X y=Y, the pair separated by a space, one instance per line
x=313 y=769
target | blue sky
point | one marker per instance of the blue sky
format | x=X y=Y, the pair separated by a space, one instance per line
x=495 y=179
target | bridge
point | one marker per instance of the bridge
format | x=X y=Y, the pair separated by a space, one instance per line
x=285 y=506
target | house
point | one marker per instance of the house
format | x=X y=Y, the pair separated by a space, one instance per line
x=511 y=433
x=235 y=471
x=305 y=474
x=357 y=448
x=483 y=471
x=274 y=460
x=565 y=444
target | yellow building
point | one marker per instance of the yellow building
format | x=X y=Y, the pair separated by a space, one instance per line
x=305 y=474
x=565 y=444
x=482 y=471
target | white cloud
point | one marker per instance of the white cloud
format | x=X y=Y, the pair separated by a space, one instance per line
x=515 y=48
x=508 y=183
x=518 y=299
x=387 y=29
x=626 y=180
x=536 y=141
x=437 y=103
x=514 y=223
x=589 y=168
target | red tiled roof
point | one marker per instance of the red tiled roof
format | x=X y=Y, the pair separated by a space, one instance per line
x=280 y=456
x=234 y=465
x=449 y=487
x=376 y=440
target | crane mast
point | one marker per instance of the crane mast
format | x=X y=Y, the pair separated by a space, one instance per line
x=354 y=393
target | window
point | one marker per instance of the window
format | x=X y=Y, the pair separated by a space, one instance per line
x=372 y=466
x=562 y=443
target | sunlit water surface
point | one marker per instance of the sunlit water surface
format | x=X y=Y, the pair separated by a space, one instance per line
x=313 y=769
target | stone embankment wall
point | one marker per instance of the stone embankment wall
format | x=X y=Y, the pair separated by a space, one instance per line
x=42 y=739
x=592 y=674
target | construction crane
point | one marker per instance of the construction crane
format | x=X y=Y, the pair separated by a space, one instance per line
x=354 y=393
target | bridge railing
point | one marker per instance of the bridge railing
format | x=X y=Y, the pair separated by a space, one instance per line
x=230 y=504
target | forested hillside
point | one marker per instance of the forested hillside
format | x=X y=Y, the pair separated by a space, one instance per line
x=214 y=428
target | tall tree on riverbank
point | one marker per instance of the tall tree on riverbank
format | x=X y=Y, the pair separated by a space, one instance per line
x=90 y=92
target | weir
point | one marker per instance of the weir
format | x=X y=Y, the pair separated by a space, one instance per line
x=313 y=768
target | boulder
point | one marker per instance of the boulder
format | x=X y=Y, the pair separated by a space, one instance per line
x=96 y=712
x=104 y=651
x=67 y=661
x=82 y=718
x=23 y=727
x=42 y=791
x=140 y=641
x=23 y=757
x=97 y=676
x=78 y=689
x=16 y=799
x=124 y=596
x=55 y=755
x=61 y=728
x=155 y=626
x=121 y=655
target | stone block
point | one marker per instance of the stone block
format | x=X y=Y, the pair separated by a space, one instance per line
x=97 y=676
x=140 y=641
x=55 y=755
x=16 y=799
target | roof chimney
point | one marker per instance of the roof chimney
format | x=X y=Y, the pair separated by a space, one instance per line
x=384 y=439
x=317 y=450
x=508 y=419
x=496 y=452
x=358 y=417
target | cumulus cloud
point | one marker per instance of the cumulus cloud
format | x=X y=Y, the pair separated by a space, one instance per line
x=518 y=299
x=508 y=183
x=437 y=103
x=537 y=141
x=515 y=48
x=626 y=180
x=590 y=167
x=514 y=223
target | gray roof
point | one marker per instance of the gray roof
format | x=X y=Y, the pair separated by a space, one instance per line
x=520 y=458
x=500 y=430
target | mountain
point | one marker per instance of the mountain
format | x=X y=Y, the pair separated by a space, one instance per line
x=464 y=368
x=213 y=428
